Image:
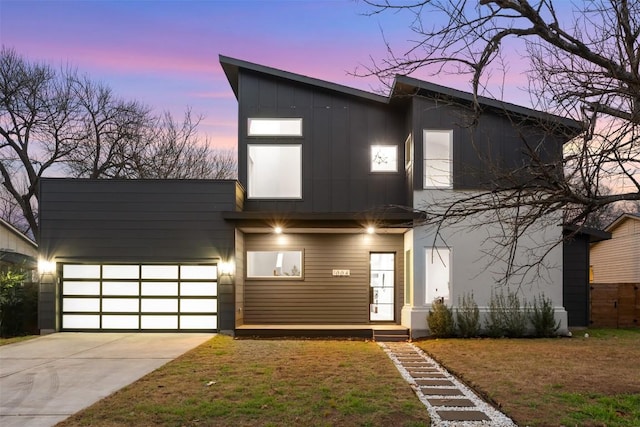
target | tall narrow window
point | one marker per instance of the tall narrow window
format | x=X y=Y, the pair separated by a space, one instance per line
x=274 y=127
x=437 y=273
x=274 y=171
x=437 y=158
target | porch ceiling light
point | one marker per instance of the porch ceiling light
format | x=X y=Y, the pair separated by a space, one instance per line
x=371 y=229
x=277 y=230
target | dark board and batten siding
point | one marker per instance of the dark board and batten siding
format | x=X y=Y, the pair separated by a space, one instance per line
x=136 y=220
x=575 y=278
x=486 y=151
x=338 y=131
x=320 y=298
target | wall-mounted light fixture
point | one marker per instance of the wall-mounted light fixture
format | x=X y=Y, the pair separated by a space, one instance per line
x=226 y=268
x=46 y=267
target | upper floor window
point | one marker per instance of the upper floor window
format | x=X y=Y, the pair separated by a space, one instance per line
x=384 y=158
x=438 y=146
x=275 y=127
x=274 y=171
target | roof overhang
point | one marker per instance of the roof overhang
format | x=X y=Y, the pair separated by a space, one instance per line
x=292 y=222
x=593 y=234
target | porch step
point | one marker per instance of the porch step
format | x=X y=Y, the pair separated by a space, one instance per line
x=391 y=335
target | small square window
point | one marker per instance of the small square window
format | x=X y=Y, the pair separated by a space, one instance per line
x=274 y=127
x=384 y=158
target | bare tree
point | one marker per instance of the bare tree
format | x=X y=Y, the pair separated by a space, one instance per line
x=113 y=132
x=55 y=123
x=39 y=124
x=584 y=63
x=174 y=150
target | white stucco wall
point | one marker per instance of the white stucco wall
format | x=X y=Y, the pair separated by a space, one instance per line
x=477 y=267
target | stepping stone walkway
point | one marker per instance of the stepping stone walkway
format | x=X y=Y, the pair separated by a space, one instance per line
x=449 y=402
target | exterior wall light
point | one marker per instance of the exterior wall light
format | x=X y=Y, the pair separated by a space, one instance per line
x=46 y=267
x=226 y=268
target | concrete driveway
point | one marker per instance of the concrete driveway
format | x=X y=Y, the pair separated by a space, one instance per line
x=47 y=379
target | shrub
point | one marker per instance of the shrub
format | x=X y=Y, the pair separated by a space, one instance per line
x=440 y=320
x=18 y=303
x=506 y=316
x=542 y=318
x=468 y=316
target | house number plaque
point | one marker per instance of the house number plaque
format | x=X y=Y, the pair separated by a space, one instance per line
x=341 y=273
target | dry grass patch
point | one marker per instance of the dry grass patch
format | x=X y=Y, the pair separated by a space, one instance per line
x=230 y=382
x=6 y=341
x=591 y=381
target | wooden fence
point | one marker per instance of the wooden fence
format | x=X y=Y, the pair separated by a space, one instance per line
x=615 y=305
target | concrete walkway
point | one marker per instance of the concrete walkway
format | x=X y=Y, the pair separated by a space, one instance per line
x=449 y=402
x=47 y=379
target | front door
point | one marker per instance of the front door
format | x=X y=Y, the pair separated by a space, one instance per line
x=381 y=286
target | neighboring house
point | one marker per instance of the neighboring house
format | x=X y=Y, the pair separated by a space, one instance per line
x=618 y=260
x=16 y=249
x=318 y=231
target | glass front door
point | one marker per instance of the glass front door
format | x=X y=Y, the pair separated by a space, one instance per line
x=381 y=286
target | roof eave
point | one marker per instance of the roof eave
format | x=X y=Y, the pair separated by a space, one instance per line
x=231 y=67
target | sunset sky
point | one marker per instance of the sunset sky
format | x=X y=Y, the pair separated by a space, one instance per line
x=165 y=53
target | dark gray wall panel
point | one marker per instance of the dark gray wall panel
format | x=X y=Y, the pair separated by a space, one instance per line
x=575 y=290
x=338 y=130
x=142 y=220
x=482 y=151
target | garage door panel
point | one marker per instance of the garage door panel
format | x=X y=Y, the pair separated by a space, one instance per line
x=198 y=322
x=160 y=289
x=120 y=272
x=120 y=321
x=204 y=305
x=139 y=297
x=81 y=271
x=158 y=322
x=121 y=288
x=198 y=272
x=121 y=305
x=81 y=321
x=81 y=288
x=160 y=272
x=81 y=304
x=199 y=289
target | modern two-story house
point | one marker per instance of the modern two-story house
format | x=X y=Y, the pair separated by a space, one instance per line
x=318 y=233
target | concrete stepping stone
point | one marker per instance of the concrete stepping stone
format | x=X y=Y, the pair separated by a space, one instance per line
x=421 y=374
x=463 y=415
x=436 y=391
x=435 y=382
x=458 y=403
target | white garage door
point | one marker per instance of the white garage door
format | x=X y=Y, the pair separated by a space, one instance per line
x=142 y=297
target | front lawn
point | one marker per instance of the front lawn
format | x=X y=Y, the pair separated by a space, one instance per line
x=592 y=381
x=582 y=381
x=227 y=382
